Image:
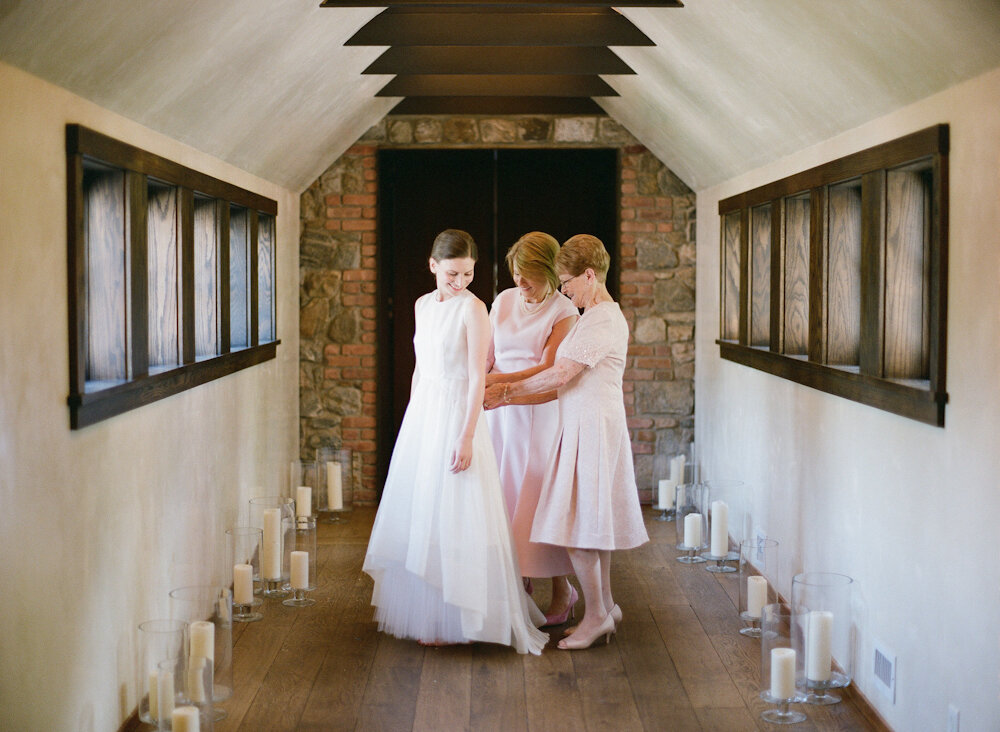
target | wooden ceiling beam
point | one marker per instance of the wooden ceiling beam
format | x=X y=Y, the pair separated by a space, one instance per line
x=497 y=105
x=498 y=60
x=485 y=27
x=502 y=3
x=481 y=85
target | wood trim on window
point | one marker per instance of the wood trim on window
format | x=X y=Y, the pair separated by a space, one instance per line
x=881 y=214
x=132 y=382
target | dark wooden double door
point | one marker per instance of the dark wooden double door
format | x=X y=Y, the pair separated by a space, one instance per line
x=495 y=195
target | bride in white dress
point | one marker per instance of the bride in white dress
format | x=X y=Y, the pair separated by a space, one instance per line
x=440 y=551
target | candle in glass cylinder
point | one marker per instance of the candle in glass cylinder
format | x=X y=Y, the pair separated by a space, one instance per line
x=334 y=487
x=756 y=595
x=202 y=639
x=185 y=719
x=782 y=673
x=665 y=493
x=270 y=548
x=243 y=584
x=819 y=642
x=300 y=570
x=692 y=530
x=720 y=529
x=303 y=501
x=196 y=678
x=164 y=685
x=154 y=702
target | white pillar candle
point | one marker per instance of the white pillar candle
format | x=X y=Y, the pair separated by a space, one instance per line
x=164 y=693
x=270 y=548
x=196 y=678
x=680 y=470
x=303 y=501
x=819 y=646
x=334 y=487
x=202 y=639
x=692 y=530
x=243 y=584
x=665 y=493
x=678 y=479
x=756 y=595
x=185 y=719
x=720 y=529
x=154 y=702
x=300 y=570
x=782 y=673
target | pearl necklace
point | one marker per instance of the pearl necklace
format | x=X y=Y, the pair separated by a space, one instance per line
x=527 y=308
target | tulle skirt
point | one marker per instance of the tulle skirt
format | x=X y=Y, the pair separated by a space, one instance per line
x=440 y=552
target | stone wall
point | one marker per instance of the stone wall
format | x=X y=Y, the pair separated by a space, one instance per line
x=337 y=278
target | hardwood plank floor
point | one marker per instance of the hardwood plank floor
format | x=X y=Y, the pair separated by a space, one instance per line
x=676 y=663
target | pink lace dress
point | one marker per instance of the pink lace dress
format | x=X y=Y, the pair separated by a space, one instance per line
x=589 y=498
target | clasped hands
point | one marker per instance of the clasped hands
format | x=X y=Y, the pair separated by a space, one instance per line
x=496 y=396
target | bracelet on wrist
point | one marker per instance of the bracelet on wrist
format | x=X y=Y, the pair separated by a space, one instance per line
x=506 y=388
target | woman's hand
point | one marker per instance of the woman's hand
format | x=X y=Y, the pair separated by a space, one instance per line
x=493 y=378
x=461 y=456
x=494 y=396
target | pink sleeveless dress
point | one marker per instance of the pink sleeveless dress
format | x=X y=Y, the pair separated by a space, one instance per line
x=524 y=436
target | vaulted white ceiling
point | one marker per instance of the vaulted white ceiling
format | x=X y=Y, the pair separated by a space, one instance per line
x=269 y=86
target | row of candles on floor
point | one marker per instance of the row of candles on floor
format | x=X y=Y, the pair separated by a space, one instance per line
x=809 y=623
x=181 y=689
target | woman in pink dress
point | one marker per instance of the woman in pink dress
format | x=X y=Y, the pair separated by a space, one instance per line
x=529 y=322
x=589 y=502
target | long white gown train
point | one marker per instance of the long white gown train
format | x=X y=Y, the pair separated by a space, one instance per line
x=440 y=551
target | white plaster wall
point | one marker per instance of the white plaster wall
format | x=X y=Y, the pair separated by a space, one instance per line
x=910 y=511
x=97 y=525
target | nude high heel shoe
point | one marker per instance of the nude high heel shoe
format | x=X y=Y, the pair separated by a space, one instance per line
x=577 y=642
x=616 y=613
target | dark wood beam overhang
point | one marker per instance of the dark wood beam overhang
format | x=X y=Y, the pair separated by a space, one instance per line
x=466 y=85
x=498 y=60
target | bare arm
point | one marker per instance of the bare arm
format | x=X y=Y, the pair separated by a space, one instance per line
x=559 y=331
x=477 y=324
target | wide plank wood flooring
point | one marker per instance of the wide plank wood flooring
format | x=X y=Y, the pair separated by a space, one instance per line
x=676 y=663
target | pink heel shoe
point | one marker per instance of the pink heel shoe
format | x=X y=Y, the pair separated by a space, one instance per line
x=569 y=612
x=577 y=643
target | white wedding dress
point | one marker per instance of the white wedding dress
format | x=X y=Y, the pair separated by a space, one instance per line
x=440 y=550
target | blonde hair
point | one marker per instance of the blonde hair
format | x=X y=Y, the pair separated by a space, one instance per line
x=534 y=257
x=581 y=252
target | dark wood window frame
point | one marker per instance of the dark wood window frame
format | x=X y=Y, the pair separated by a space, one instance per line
x=882 y=295
x=90 y=400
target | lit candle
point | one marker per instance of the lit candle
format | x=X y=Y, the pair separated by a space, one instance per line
x=243 y=584
x=782 y=673
x=185 y=719
x=303 y=501
x=154 y=681
x=819 y=642
x=270 y=549
x=202 y=639
x=665 y=494
x=334 y=487
x=300 y=570
x=692 y=530
x=756 y=595
x=720 y=529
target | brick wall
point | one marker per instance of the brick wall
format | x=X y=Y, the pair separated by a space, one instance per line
x=338 y=284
